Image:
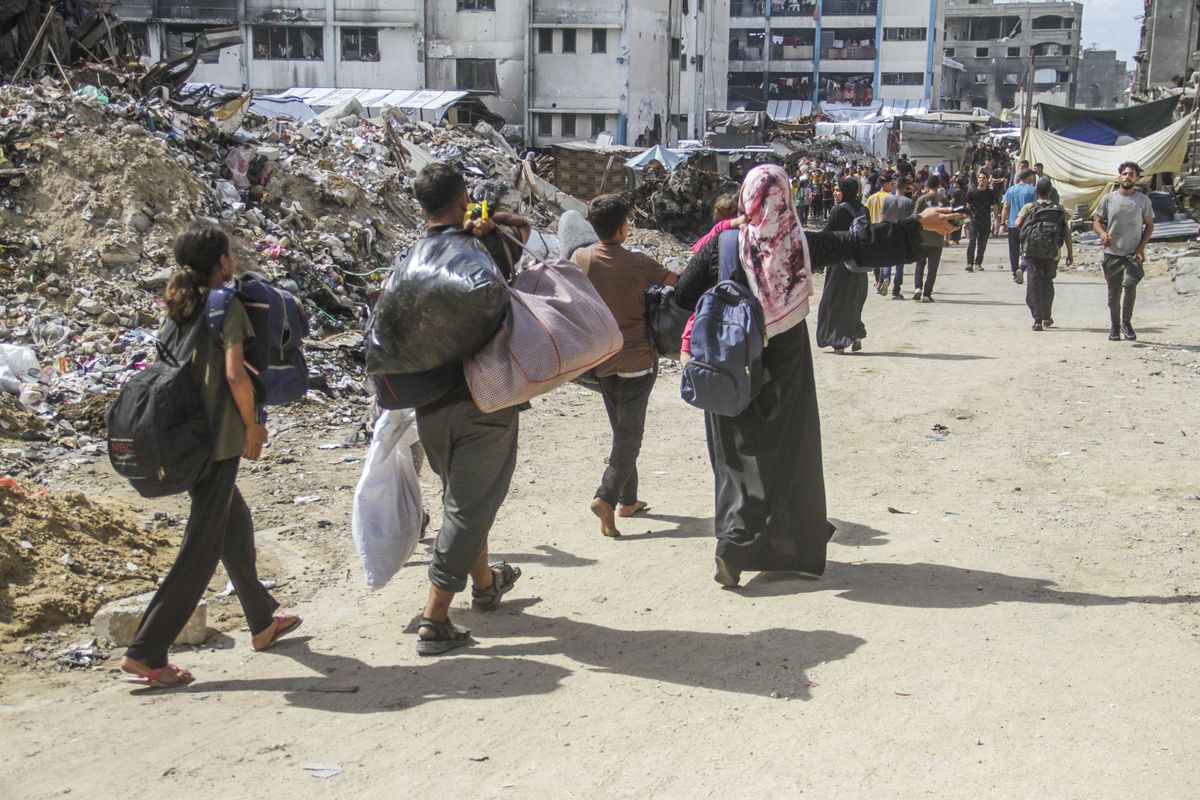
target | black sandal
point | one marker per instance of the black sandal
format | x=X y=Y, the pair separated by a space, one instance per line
x=504 y=575
x=447 y=636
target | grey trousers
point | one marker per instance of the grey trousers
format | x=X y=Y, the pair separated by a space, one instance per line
x=474 y=454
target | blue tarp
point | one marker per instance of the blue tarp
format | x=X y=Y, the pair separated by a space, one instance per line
x=1092 y=131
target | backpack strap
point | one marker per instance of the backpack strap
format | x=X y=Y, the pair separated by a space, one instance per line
x=730 y=262
x=214 y=312
x=185 y=342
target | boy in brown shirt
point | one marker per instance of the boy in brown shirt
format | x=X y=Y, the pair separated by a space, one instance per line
x=621 y=278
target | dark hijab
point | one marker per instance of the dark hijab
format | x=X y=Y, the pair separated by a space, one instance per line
x=851 y=192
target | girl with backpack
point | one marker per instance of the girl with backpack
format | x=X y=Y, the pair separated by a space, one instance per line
x=770 y=485
x=219 y=528
x=839 y=317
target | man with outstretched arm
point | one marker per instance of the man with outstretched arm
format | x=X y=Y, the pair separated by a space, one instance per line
x=1125 y=222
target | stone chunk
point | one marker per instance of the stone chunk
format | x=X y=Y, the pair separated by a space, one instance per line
x=1187 y=276
x=118 y=621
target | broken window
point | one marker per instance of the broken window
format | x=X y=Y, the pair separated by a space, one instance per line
x=179 y=42
x=599 y=124
x=477 y=73
x=1014 y=52
x=904 y=34
x=903 y=78
x=360 y=44
x=139 y=36
x=981 y=52
x=288 y=42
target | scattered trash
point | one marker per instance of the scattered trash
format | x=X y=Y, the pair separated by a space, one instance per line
x=323 y=770
x=898 y=511
x=942 y=429
x=306 y=499
x=477 y=758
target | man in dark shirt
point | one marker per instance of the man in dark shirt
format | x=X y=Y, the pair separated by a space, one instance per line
x=1039 y=170
x=621 y=278
x=931 y=243
x=979 y=210
x=472 y=452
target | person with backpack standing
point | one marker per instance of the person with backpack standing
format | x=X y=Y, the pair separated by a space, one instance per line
x=770 y=486
x=621 y=278
x=1019 y=195
x=839 y=316
x=219 y=526
x=932 y=244
x=1125 y=222
x=1044 y=230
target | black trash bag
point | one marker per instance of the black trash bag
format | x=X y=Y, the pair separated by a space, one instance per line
x=440 y=306
x=665 y=320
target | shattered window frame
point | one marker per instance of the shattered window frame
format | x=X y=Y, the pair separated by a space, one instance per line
x=139 y=35
x=360 y=44
x=278 y=42
x=178 y=40
x=476 y=73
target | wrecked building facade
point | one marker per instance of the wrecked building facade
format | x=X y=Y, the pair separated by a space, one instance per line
x=638 y=70
x=1170 y=38
x=998 y=43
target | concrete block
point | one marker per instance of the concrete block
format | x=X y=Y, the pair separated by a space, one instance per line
x=1187 y=276
x=118 y=621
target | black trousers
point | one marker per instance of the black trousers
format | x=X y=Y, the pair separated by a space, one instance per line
x=1120 y=310
x=1014 y=249
x=625 y=400
x=219 y=528
x=1039 y=286
x=977 y=243
x=474 y=454
x=931 y=258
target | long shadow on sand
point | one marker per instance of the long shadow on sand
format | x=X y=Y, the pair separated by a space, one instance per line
x=925 y=356
x=923 y=585
x=755 y=662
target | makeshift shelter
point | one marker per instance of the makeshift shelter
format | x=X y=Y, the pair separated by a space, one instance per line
x=1137 y=121
x=1083 y=173
x=670 y=159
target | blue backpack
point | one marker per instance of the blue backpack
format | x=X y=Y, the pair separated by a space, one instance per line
x=275 y=356
x=725 y=372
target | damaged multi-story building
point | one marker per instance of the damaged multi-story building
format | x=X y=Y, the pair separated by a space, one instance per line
x=1005 y=47
x=834 y=52
x=1170 y=39
x=638 y=70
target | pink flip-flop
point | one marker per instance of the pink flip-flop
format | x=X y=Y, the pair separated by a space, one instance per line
x=153 y=678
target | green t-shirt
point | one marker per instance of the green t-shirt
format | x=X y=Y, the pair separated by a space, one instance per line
x=208 y=368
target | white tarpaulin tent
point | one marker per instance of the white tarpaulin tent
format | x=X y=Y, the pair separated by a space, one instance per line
x=873 y=136
x=1084 y=173
x=427 y=105
x=670 y=159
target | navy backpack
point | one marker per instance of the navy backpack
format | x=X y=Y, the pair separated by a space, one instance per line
x=275 y=356
x=729 y=333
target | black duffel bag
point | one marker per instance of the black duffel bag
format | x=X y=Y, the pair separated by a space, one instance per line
x=665 y=320
x=438 y=307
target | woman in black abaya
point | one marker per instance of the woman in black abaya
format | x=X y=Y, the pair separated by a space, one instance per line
x=770 y=484
x=839 y=317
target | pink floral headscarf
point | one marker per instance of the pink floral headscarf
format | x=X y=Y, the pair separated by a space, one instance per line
x=774 y=249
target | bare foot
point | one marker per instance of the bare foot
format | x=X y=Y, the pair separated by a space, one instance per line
x=608 y=522
x=628 y=511
x=280 y=626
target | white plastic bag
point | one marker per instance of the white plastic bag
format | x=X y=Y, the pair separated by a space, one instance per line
x=386 y=518
x=15 y=364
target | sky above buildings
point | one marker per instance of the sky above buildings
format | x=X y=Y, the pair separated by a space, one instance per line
x=1113 y=25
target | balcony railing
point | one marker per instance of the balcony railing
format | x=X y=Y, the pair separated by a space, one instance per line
x=848 y=53
x=779 y=8
x=843 y=8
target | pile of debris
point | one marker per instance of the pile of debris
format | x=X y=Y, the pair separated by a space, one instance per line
x=681 y=202
x=95 y=183
x=62 y=556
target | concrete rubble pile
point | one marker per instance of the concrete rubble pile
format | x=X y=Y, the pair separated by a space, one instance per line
x=680 y=203
x=95 y=183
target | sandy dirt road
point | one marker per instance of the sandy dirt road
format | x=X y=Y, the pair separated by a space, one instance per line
x=1029 y=629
